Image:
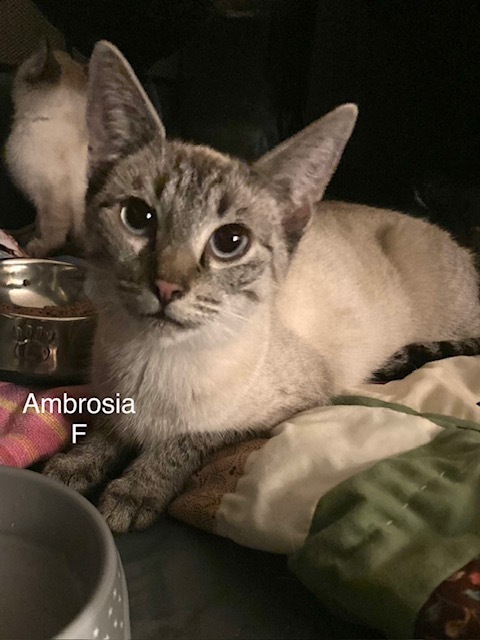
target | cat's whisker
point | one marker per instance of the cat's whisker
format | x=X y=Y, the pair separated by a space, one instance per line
x=208 y=300
x=206 y=309
x=231 y=314
x=129 y=286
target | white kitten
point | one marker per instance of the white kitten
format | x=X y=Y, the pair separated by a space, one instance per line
x=46 y=152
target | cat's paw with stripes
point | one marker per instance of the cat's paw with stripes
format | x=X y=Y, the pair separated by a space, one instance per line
x=125 y=507
x=76 y=472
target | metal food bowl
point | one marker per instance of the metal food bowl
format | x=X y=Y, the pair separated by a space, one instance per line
x=60 y=573
x=39 y=348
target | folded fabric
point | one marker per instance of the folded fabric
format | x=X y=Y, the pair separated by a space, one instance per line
x=373 y=498
x=27 y=436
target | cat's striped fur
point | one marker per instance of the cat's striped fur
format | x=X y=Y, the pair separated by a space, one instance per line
x=414 y=356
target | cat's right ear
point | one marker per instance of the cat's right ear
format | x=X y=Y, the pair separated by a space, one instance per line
x=120 y=117
x=301 y=167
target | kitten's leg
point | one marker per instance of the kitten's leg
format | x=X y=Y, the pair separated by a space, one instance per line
x=86 y=464
x=414 y=356
x=156 y=476
x=52 y=226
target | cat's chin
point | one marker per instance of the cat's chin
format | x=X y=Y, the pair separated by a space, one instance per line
x=165 y=319
x=170 y=329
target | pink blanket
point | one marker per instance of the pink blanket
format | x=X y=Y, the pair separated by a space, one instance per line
x=26 y=435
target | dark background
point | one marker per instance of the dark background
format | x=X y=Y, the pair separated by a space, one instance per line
x=243 y=74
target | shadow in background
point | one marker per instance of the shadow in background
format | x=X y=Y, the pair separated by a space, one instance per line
x=243 y=74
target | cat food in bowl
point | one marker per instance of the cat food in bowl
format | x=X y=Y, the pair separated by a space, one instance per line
x=60 y=573
x=46 y=321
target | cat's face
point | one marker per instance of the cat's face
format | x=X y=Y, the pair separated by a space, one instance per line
x=183 y=240
x=186 y=241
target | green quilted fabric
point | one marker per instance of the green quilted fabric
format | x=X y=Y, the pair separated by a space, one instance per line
x=382 y=541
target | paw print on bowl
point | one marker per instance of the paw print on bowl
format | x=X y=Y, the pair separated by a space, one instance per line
x=33 y=343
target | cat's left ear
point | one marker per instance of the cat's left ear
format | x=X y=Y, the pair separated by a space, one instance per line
x=302 y=166
x=120 y=117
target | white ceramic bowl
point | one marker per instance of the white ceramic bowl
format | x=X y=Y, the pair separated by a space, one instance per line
x=60 y=572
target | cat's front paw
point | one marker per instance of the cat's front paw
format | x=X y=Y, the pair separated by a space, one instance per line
x=75 y=472
x=38 y=248
x=124 y=507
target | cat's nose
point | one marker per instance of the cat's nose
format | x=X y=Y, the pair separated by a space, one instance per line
x=167 y=291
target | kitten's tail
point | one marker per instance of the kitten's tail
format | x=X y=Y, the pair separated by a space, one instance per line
x=413 y=356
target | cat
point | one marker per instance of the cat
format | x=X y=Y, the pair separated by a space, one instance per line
x=231 y=297
x=46 y=151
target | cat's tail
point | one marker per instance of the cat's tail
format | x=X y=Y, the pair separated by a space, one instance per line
x=413 y=356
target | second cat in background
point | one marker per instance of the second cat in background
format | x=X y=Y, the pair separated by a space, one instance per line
x=46 y=152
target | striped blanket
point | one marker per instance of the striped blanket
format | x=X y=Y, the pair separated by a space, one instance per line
x=27 y=436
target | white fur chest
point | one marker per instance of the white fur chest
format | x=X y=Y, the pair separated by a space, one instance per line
x=174 y=389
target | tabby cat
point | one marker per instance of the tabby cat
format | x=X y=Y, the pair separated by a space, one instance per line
x=230 y=297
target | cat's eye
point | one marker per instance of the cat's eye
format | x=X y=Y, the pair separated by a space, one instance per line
x=229 y=242
x=138 y=216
